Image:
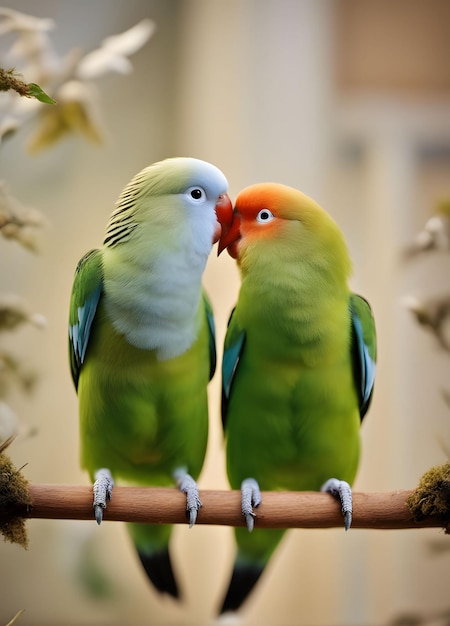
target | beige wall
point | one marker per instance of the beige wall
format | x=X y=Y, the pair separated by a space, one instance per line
x=251 y=86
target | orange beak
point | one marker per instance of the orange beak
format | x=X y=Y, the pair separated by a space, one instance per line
x=230 y=223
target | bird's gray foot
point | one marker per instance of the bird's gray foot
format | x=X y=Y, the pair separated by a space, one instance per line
x=250 y=497
x=341 y=489
x=187 y=485
x=102 y=488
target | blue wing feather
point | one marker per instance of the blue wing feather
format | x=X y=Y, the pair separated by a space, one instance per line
x=232 y=352
x=86 y=291
x=363 y=350
x=212 y=336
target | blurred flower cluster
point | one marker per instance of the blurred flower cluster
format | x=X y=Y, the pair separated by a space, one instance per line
x=73 y=108
x=435 y=236
x=433 y=313
x=71 y=80
x=14 y=312
x=19 y=222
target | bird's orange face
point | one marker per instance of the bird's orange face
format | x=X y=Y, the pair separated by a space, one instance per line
x=257 y=214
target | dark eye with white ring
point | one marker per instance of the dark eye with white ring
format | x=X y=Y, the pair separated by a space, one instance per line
x=264 y=216
x=196 y=194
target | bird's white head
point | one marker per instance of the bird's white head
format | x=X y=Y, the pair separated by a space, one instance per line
x=155 y=251
x=175 y=198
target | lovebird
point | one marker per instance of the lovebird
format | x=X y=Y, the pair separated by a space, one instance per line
x=298 y=365
x=142 y=345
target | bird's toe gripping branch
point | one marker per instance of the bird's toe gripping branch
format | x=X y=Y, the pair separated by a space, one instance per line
x=250 y=497
x=103 y=487
x=187 y=485
x=341 y=489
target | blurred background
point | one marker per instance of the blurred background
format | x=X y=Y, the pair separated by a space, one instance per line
x=347 y=100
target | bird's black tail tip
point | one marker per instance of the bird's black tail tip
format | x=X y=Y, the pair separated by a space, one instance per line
x=158 y=568
x=243 y=579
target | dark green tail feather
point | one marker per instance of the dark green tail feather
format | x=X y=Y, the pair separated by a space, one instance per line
x=244 y=578
x=158 y=568
x=152 y=545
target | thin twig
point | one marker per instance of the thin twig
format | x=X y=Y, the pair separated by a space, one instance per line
x=278 y=510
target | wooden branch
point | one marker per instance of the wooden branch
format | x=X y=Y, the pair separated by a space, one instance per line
x=278 y=509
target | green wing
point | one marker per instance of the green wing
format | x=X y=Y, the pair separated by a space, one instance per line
x=364 y=354
x=364 y=350
x=232 y=351
x=86 y=292
x=212 y=336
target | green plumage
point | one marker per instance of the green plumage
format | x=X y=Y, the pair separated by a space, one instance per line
x=121 y=380
x=141 y=340
x=298 y=362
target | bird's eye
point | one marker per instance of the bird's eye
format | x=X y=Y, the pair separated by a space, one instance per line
x=264 y=216
x=196 y=194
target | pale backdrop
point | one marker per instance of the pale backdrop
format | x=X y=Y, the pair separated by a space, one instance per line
x=251 y=86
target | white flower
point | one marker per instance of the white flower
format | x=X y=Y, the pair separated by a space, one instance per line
x=69 y=80
x=112 y=54
x=32 y=44
x=435 y=236
x=434 y=314
x=13 y=21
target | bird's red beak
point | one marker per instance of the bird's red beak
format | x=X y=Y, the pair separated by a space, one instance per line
x=224 y=211
x=230 y=224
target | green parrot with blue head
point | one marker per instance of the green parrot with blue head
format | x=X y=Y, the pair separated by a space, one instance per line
x=142 y=346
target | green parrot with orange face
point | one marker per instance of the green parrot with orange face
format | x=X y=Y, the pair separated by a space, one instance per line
x=298 y=366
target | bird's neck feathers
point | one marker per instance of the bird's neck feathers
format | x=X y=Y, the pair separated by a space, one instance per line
x=306 y=282
x=302 y=266
x=152 y=285
x=304 y=293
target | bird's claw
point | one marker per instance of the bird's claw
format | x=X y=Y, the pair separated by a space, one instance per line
x=347 y=519
x=98 y=512
x=341 y=489
x=188 y=486
x=103 y=487
x=250 y=497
